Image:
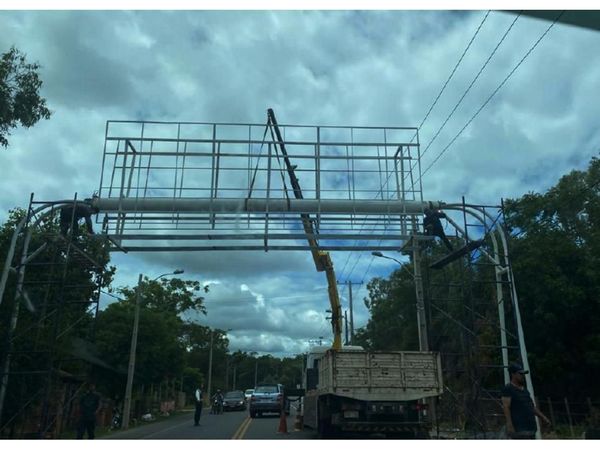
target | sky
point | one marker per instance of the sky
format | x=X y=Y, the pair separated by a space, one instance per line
x=364 y=68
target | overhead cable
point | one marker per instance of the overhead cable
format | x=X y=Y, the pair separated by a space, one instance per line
x=493 y=94
x=422 y=122
x=471 y=85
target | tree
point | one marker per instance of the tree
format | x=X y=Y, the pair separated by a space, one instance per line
x=20 y=101
x=555 y=253
x=55 y=313
x=163 y=336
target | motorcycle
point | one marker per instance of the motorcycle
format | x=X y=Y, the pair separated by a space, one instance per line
x=115 y=422
x=217 y=406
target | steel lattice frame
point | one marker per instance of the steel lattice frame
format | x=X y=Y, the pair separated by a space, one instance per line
x=223 y=185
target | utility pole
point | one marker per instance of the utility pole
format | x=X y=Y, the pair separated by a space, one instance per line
x=226 y=372
x=256 y=372
x=210 y=365
x=349 y=284
x=134 y=337
x=421 y=318
x=234 y=376
x=131 y=368
x=346 y=326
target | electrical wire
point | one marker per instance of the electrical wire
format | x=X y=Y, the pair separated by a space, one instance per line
x=493 y=94
x=471 y=84
x=419 y=127
x=486 y=102
x=454 y=70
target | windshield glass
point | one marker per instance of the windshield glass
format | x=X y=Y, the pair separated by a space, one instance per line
x=266 y=389
x=234 y=394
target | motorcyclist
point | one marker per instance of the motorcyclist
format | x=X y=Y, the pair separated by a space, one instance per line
x=217 y=403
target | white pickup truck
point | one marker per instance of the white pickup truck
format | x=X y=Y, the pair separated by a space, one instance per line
x=377 y=392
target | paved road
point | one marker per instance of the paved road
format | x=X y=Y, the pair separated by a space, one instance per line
x=230 y=425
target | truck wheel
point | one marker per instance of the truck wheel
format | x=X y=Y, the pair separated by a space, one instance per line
x=325 y=429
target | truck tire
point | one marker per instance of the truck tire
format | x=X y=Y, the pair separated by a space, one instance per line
x=325 y=429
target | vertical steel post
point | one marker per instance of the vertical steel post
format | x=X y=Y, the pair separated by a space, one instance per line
x=131 y=368
x=15 y=313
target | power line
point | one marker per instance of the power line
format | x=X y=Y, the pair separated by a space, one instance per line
x=486 y=102
x=454 y=70
x=471 y=85
x=493 y=94
x=419 y=127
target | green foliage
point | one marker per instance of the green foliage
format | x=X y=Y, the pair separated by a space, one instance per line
x=555 y=254
x=20 y=101
x=392 y=305
x=44 y=330
x=163 y=337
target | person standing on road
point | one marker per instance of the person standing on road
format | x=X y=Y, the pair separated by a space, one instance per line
x=519 y=409
x=198 y=397
x=89 y=405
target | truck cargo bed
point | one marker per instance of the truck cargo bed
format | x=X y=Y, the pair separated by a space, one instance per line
x=384 y=376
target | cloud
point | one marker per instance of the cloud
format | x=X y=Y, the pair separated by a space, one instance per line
x=368 y=68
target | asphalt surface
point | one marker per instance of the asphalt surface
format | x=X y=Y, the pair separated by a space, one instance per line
x=229 y=425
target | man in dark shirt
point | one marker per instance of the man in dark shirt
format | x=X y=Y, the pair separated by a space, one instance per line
x=70 y=216
x=519 y=409
x=433 y=226
x=89 y=405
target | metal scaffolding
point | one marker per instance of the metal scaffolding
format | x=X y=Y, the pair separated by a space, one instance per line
x=474 y=321
x=60 y=292
x=184 y=186
x=226 y=183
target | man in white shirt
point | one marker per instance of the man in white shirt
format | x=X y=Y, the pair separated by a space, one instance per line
x=198 y=398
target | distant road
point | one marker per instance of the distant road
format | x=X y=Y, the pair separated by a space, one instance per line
x=229 y=425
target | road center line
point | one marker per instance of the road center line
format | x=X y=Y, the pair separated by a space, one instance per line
x=242 y=429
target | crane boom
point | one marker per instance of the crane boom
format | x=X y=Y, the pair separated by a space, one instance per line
x=322 y=259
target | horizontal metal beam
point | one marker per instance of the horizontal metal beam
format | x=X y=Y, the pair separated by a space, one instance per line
x=262 y=125
x=247 y=155
x=247 y=236
x=260 y=205
x=217 y=248
x=258 y=142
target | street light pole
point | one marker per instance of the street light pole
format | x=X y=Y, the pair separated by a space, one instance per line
x=134 y=337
